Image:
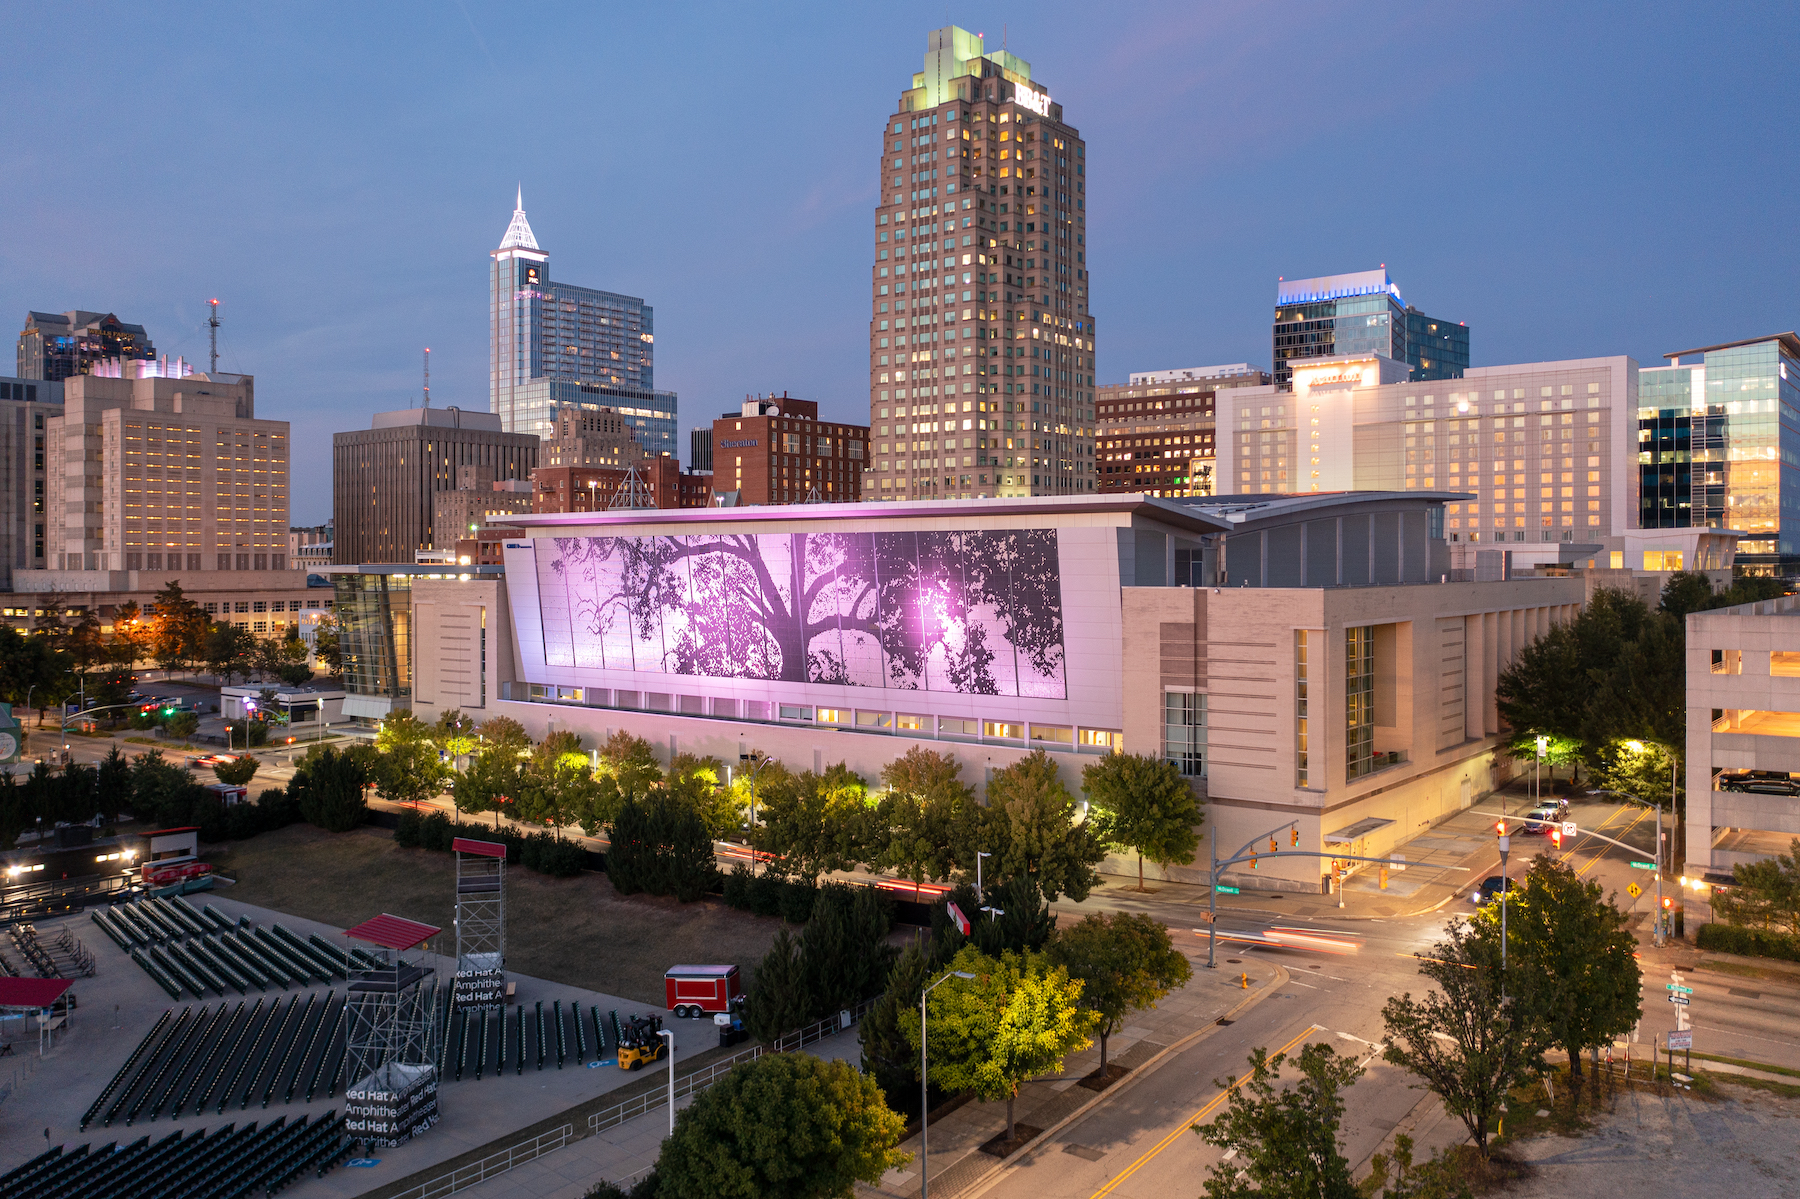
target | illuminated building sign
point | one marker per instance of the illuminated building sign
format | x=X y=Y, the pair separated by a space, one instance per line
x=1038 y=102
x=743 y=443
x=1363 y=373
x=977 y=613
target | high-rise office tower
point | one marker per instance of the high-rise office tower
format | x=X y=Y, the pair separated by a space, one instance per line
x=1362 y=313
x=25 y=406
x=981 y=345
x=555 y=343
x=1713 y=449
x=56 y=345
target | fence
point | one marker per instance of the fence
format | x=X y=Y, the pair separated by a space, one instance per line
x=504 y=1159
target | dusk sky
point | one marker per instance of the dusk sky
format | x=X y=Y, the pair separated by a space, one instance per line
x=1570 y=180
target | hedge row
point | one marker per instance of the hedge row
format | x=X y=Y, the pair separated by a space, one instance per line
x=770 y=894
x=535 y=851
x=1751 y=942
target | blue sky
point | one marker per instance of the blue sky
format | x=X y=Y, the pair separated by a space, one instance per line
x=1571 y=180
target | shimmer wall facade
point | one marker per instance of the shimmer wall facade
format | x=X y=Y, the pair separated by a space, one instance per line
x=967 y=613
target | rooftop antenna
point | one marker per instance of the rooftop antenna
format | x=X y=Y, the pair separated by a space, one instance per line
x=428 y=376
x=213 y=333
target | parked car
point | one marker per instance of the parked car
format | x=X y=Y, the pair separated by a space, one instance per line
x=1759 y=784
x=1491 y=887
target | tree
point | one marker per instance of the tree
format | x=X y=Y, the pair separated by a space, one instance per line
x=1466 y=1043
x=787 y=1124
x=1573 y=963
x=178 y=631
x=131 y=634
x=1686 y=591
x=779 y=998
x=1644 y=694
x=558 y=783
x=328 y=646
x=454 y=733
x=496 y=773
x=1019 y=1017
x=1030 y=819
x=328 y=786
x=843 y=948
x=1281 y=1143
x=631 y=761
x=1764 y=894
x=238 y=771
x=1548 y=687
x=228 y=650
x=1639 y=769
x=1125 y=963
x=811 y=823
x=407 y=768
x=922 y=816
x=694 y=782
x=286 y=657
x=112 y=784
x=1146 y=806
x=182 y=725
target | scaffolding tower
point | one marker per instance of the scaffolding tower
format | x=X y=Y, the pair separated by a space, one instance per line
x=390 y=1039
x=480 y=923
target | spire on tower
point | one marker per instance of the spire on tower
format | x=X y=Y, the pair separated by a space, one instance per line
x=518 y=234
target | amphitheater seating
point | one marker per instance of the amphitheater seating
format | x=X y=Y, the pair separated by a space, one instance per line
x=226 y=1163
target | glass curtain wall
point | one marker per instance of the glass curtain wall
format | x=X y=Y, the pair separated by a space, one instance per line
x=374 y=617
x=1184 y=731
x=1359 y=701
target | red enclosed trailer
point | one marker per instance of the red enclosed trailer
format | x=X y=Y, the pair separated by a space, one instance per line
x=697 y=990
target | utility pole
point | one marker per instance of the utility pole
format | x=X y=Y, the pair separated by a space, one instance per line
x=427 y=376
x=213 y=333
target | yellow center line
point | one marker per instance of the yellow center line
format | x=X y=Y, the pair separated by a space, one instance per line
x=1186 y=1125
x=1595 y=860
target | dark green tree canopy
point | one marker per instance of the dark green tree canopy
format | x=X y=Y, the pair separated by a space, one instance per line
x=1146 y=806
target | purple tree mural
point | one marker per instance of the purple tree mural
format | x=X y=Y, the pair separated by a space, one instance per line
x=977 y=613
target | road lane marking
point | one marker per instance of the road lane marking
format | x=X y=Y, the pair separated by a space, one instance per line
x=1187 y=1125
x=1595 y=860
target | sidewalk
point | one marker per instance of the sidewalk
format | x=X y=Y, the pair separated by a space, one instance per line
x=621 y=1154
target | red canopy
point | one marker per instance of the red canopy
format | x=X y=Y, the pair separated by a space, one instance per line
x=487 y=849
x=31 y=992
x=392 y=932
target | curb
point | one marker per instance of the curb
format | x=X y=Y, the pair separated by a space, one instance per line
x=1043 y=1139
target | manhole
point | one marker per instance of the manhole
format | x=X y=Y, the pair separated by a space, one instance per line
x=1090 y=1153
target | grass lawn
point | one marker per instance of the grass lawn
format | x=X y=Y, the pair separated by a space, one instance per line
x=576 y=930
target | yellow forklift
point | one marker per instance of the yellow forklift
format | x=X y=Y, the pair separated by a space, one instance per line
x=638 y=1042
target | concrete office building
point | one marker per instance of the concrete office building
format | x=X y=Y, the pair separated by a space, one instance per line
x=1743 y=734
x=555 y=344
x=1354 y=699
x=261 y=602
x=1714 y=452
x=25 y=406
x=1156 y=432
x=55 y=346
x=385 y=479
x=661 y=483
x=584 y=436
x=309 y=546
x=479 y=498
x=147 y=472
x=777 y=451
x=1362 y=313
x=981 y=342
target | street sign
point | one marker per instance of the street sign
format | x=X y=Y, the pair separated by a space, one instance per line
x=1398 y=859
x=1683 y=1000
x=1678 y=988
x=1681 y=1039
x=1634 y=890
x=1505 y=843
x=1644 y=865
x=1224 y=890
x=1569 y=828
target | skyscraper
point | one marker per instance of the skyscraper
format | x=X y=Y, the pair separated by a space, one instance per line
x=56 y=345
x=1362 y=313
x=981 y=345
x=555 y=343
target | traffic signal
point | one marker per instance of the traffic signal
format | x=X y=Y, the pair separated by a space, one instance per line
x=1556 y=837
x=1500 y=828
x=1295 y=837
x=1384 y=871
x=1253 y=861
x=1667 y=903
x=1272 y=846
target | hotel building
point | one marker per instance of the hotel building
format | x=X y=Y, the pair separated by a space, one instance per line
x=1362 y=313
x=981 y=344
x=1156 y=433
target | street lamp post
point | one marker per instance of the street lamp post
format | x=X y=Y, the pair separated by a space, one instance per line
x=924 y=1100
x=755 y=760
x=669 y=1036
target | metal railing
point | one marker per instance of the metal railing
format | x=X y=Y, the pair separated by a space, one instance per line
x=498 y=1162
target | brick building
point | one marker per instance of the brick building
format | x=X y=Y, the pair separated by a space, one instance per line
x=1156 y=432
x=777 y=451
x=593 y=488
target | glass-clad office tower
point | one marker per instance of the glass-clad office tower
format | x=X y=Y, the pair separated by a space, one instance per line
x=1719 y=443
x=555 y=343
x=1362 y=313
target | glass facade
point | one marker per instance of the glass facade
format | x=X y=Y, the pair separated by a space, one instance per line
x=1369 y=324
x=1184 y=731
x=374 y=618
x=532 y=407
x=1359 y=702
x=1719 y=447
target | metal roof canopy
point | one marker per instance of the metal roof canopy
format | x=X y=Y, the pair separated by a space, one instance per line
x=392 y=932
x=1361 y=828
x=32 y=992
x=487 y=849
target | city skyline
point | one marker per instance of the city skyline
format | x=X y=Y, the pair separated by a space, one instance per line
x=1585 y=244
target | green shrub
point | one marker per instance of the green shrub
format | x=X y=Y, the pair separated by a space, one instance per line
x=407 y=829
x=1751 y=942
x=737 y=887
x=328 y=786
x=436 y=832
x=765 y=895
x=551 y=855
x=797 y=896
